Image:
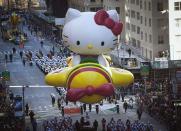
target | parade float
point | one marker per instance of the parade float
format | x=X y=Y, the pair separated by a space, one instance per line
x=89 y=78
x=14 y=33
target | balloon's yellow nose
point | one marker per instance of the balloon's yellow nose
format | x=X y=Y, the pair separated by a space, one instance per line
x=89 y=46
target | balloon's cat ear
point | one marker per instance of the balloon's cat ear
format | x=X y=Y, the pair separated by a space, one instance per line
x=72 y=14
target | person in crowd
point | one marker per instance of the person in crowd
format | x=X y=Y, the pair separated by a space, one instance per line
x=24 y=61
x=84 y=107
x=14 y=50
x=41 y=43
x=81 y=110
x=129 y=52
x=21 y=54
x=90 y=107
x=125 y=106
x=139 y=113
x=53 y=98
x=26 y=109
x=103 y=124
x=6 y=57
x=63 y=111
x=31 y=114
x=77 y=125
x=97 y=109
x=11 y=57
x=117 y=108
x=95 y=125
x=34 y=125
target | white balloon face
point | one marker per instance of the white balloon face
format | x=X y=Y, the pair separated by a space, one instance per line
x=83 y=36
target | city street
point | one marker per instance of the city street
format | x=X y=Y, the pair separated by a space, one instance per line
x=38 y=94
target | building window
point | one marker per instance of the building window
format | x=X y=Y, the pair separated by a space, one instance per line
x=145 y=7
x=138 y=15
x=177 y=5
x=128 y=26
x=178 y=22
x=160 y=39
x=137 y=2
x=118 y=10
x=133 y=40
x=138 y=30
x=92 y=0
x=132 y=1
x=142 y=51
x=132 y=14
x=159 y=6
x=141 y=4
x=133 y=28
x=141 y=19
x=92 y=9
x=145 y=21
x=150 y=54
x=141 y=35
x=150 y=38
x=146 y=37
x=138 y=44
x=150 y=22
x=149 y=6
x=146 y=53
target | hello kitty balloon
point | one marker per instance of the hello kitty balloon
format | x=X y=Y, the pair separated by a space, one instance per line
x=89 y=77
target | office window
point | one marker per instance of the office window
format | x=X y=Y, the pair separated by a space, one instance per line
x=138 y=15
x=141 y=19
x=141 y=4
x=128 y=26
x=133 y=40
x=132 y=14
x=145 y=21
x=118 y=10
x=145 y=6
x=177 y=5
x=138 y=30
x=132 y=1
x=150 y=22
x=150 y=38
x=137 y=2
x=133 y=28
x=159 y=6
x=160 y=39
x=146 y=53
x=150 y=54
x=146 y=37
x=142 y=51
x=149 y=6
x=141 y=35
x=138 y=44
x=178 y=22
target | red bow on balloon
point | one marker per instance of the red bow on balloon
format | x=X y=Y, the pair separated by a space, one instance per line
x=77 y=93
x=102 y=18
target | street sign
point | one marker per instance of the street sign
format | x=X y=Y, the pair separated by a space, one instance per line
x=145 y=69
x=6 y=75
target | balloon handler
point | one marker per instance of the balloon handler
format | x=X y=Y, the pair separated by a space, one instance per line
x=89 y=77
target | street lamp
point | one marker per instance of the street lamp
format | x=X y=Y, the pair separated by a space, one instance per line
x=23 y=92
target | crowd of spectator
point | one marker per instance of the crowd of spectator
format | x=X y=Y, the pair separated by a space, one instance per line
x=162 y=108
x=66 y=124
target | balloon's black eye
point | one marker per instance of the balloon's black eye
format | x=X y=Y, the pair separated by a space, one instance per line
x=78 y=42
x=102 y=43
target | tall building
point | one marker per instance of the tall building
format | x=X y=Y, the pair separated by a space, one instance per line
x=147 y=27
x=175 y=29
x=86 y=5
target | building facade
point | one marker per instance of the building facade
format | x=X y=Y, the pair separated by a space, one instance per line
x=86 y=5
x=175 y=29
